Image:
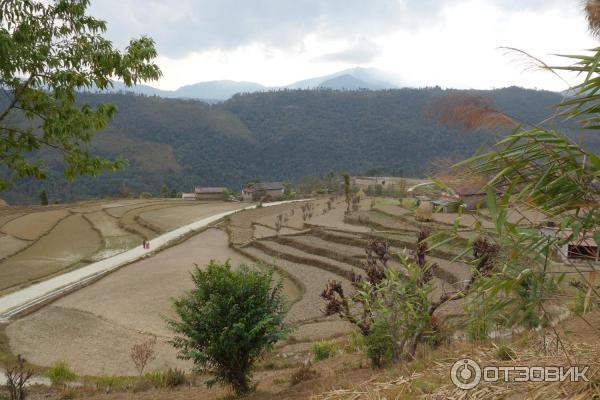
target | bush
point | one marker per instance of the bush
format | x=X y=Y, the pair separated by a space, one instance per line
x=323 y=350
x=168 y=379
x=228 y=321
x=505 y=353
x=379 y=344
x=145 y=195
x=60 y=372
x=303 y=374
x=356 y=342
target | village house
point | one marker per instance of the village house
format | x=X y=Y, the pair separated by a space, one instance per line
x=210 y=193
x=584 y=247
x=263 y=191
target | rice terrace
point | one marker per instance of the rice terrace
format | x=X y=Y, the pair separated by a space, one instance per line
x=308 y=199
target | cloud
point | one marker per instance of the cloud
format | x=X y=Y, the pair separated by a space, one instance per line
x=360 y=52
x=183 y=26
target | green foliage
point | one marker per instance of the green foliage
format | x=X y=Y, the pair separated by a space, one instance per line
x=145 y=195
x=164 y=191
x=542 y=169
x=60 y=372
x=228 y=321
x=352 y=131
x=48 y=51
x=355 y=342
x=379 y=344
x=323 y=350
x=168 y=379
x=347 y=192
x=401 y=308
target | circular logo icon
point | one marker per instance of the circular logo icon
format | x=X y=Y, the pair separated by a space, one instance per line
x=465 y=374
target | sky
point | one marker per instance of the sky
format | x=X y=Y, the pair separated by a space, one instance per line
x=450 y=43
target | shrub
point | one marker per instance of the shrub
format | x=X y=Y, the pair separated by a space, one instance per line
x=145 y=195
x=303 y=374
x=323 y=350
x=356 y=342
x=169 y=379
x=228 y=321
x=505 y=353
x=17 y=376
x=379 y=344
x=141 y=354
x=60 y=372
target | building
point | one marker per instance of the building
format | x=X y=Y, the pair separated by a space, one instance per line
x=188 y=196
x=584 y=247
x=210 y=193
x=263 y=191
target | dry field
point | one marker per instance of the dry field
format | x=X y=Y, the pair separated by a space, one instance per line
x=37 y=242
x=94 y=328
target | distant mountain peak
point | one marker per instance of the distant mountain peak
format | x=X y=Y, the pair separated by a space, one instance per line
x=220 y=90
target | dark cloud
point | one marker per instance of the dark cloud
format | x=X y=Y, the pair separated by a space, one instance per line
x=183 y=26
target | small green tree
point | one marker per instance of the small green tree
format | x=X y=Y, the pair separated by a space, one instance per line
x=44 y=197
x=347 y=192
x=228 y=321
x=164 y=191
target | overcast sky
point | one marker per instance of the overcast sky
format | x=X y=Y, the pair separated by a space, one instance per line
x=451 y=43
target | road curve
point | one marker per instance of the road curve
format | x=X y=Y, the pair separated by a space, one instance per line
x=18 y=302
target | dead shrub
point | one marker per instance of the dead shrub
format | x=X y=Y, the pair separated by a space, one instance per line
x=141 y=354
x=303 y=374
x=16 y=379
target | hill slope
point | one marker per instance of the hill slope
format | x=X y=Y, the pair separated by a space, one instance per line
x=280 y=135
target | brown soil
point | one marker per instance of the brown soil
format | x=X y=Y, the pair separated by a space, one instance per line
x=94 y=328
x=71 y=241
x=167 y=219
x=32 y=226
x=10 y=245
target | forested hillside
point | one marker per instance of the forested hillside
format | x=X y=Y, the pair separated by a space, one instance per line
x=279 y=135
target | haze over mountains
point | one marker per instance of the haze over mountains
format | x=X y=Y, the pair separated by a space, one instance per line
x=215 y=91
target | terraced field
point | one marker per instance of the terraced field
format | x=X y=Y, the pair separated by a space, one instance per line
x=331 y=246
x=37 y=242
x=307 y=251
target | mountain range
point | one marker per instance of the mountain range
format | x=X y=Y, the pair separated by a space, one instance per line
x=216 y=91
x=281 y=135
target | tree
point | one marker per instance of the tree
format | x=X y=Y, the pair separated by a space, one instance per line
x=228 y=321
x=49 y=50
x=347 y=192
x=44 y=197
x=124 y=190
x=164 y=191
x=536 y=168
